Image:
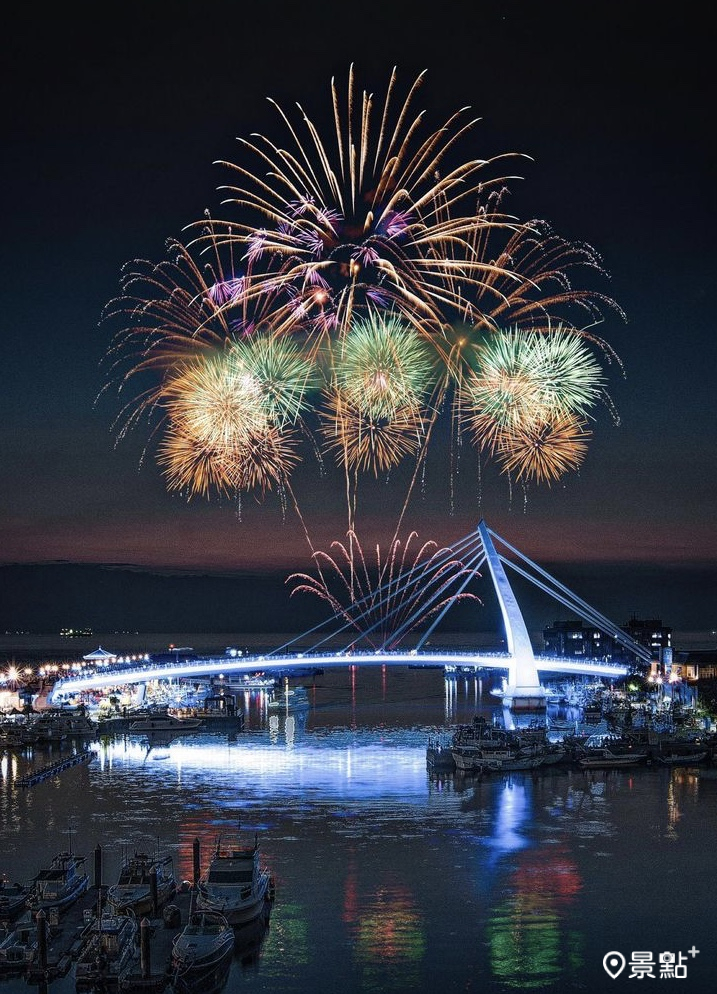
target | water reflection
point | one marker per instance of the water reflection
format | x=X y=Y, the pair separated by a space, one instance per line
x=389 y=878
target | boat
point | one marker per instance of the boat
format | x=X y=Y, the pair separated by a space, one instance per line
x=108 y=947
x=13 y=900
x=682 y=758
x=134 y=891
x=603 y=751
x=60 y=884
x=164 y=723
x=605 y=758
x=202 y=953
x=234 y=884
x=474 y=759
x=19 y=945
x=439 y=757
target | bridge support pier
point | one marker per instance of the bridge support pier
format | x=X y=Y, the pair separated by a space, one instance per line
x=523 y=691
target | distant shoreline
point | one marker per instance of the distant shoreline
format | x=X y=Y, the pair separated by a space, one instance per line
x=52 y=647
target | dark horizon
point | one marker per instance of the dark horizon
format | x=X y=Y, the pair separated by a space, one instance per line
x=43 y=599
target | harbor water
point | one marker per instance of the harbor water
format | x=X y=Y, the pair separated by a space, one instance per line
x=391 y=878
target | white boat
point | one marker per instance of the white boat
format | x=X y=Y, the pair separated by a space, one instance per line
x=164 y=723
x=134 y=892
x=234 y=884
x=202 y=953
x=109 y=945
x=602 y=751
x=60 y=884
x=604 y=758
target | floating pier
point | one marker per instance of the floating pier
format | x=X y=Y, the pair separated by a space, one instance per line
x=37 y=776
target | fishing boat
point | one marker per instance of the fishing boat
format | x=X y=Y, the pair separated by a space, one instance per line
x=164 y=723
x=474 y=759
x=604 y=751
x=605 y=758
x=685 y=757
x=135 y=891
x=202 y=954
x=60 y=884
x=13 y=900
x=108 y=946
x=19 y=945
x=234 y=883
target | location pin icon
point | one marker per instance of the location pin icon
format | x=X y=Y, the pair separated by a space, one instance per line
x=614 y=964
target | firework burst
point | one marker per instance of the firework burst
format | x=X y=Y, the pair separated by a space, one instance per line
x=361 y=440
x=383 y=366
x=544 y=450
x=386 y=600
x=360 y=290
x=371 y=217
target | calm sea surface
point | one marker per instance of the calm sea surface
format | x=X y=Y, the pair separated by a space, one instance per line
x=390 y=878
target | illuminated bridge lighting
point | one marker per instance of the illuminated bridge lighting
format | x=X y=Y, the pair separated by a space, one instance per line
x=211 y=665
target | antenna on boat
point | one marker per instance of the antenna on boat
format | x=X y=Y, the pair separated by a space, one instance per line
x=69 y=835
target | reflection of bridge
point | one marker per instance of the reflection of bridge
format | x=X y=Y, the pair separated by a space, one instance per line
x=358 y=623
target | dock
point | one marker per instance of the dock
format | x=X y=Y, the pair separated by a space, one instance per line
x=52 y=769
x=150 y=973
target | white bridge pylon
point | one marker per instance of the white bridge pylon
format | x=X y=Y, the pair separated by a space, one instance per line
x=523 y=690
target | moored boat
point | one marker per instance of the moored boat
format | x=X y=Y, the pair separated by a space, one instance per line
x=202 y=954
x=234 y=884
x=682 y=758
x=606 y=751
x=474 y=759
x=143 y=882
x=108 y=948
x=60 y=884
x=13 y=900
x=164 y=723
x=19 y=945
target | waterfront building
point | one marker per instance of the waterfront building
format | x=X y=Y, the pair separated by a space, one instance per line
x=577 y=639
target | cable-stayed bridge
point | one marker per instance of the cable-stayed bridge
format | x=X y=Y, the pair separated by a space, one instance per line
x=369 y=629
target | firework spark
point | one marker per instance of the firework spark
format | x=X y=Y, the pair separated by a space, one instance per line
x=366 y=218
x=395 y=595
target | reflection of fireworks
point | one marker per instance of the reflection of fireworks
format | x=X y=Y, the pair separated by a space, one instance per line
x=385 y=602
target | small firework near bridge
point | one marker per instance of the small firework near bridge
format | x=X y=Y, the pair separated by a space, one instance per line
x=349 y=630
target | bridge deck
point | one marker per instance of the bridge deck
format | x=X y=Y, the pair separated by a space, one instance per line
x=214 y=665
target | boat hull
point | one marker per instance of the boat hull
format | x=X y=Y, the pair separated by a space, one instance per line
x=237 y=910
x=202 y=955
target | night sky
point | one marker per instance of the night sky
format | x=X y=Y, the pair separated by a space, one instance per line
x=113 y=120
